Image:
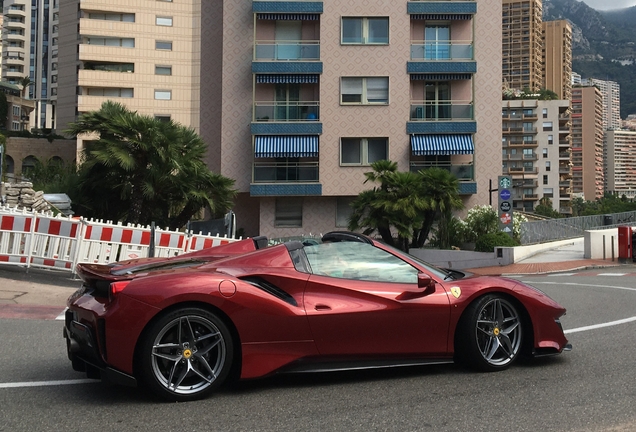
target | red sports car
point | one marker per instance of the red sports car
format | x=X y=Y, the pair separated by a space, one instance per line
x=183 y=326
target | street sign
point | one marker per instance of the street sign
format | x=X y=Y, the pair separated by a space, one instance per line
x=505 y=212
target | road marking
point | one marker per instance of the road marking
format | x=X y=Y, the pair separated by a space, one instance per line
x=598 y=326
x=61 y=316
x=46 y=383
x=560 y=274
x=579 y=284
x=611 y=274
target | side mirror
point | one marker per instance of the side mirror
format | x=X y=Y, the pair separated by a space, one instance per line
x=425 y=282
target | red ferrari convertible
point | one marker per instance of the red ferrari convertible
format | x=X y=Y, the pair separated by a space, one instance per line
x=184 y=325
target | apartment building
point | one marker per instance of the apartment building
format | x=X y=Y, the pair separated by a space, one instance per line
x=144 y=54
x=587 y=143
x=620 y=162
x=296 y=99
x=557 y=57
x=536 y=152
x=611 y=92
x=29 y=41
x=522 y=62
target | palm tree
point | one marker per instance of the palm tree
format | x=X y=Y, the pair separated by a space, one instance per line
x=148 y=170
x=395 y=205
x=440 y=191
x=25 y=82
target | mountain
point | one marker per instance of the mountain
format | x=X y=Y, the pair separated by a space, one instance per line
x=603 y=44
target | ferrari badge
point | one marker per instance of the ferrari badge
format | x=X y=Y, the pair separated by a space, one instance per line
x=456 y=291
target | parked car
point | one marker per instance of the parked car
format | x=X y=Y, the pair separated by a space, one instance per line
x=182 y=327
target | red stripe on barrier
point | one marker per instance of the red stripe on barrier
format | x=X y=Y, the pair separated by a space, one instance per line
x=37 y=225
x=4 y=258
x=126 y=236
x=224 y=242
x=7 y=223
x=27 y=224
x=107 y=234
x=164 y=240
x=89 y=231
x=208 y=243
x=145 y=238
x=74 y=229
x=54 y=227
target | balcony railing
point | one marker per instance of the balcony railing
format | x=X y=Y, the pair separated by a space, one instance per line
x=441 y=110
x=286 y=111
x=463 y=172
x=287 y=51
x=285 y=172
x=441 y=50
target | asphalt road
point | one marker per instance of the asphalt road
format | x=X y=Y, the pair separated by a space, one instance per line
x=591 y=388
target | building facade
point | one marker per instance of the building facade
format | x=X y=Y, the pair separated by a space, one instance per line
x=536 y=151
x=28 y=50
x=557 y=58
x=620 y=162
x=148 y=60
x=295 y=99
x=522 y=57
x=587 y=143
x=611 y=92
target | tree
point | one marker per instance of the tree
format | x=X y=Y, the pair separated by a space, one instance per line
x=544 y=208
x=395 y=205
x=141 y=169
x=4 y=110
x=440 y=192
x=25 y=82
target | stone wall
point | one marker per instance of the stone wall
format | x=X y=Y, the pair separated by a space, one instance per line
x=22 y=195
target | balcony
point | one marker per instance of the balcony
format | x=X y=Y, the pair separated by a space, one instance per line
x=287 y=51
x=463 y=172
x=519 y=170
x=286 y=111
x=461 y=7
x=441 y=50
x=441 y=110
x=285 y=172
x=287 y=6
x=520 y=157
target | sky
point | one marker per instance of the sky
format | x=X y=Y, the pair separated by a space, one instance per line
x=610 y=4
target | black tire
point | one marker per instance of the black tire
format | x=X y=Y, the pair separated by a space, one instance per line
x=490 y=334
x=186 y=354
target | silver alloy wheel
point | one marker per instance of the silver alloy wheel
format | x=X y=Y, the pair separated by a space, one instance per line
x=498 y=332
x=188 y=354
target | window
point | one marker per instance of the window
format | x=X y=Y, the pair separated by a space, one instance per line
x=163 y=94
x=16 y=110
x=163 y=70
x=547 y=126
x=365 y=31
x=547 y=166
x=527 y=153
x=548 y=192
x=362 y=151
x=110 y=92
x=109 y=41
x=550 y=139
x=126 y=17
x=165 y=118
x=163 y=45
x=527 y=126
x=288 y=212
x=163 y=21
x=437 y=42
x=528 y=112
x=343 y=211
x=545 y=179
x=364 y=91
x=545 y=113
x=528 y=138
x=545 y=153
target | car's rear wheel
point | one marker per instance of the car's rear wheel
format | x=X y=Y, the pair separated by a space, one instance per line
x=491 y=334
x=186 y=354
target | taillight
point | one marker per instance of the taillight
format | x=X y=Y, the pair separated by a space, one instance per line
x=116 y=288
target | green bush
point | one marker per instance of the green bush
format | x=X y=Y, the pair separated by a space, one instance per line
x=488 y=242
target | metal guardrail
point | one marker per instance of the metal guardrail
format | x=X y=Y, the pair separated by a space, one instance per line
x=565 y=228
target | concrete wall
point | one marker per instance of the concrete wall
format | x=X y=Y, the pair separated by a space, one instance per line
x=20 y=148
x=601 y=244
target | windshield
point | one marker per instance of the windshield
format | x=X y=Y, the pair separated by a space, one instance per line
x=440 y=273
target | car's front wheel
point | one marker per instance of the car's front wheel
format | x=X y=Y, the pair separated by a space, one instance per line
x=186 y=354
x=490 y=334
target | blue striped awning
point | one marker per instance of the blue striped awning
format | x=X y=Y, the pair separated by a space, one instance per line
x=288 y=16
x=287 y=79
x=427 y=145
x=285 y=146
x=441 y=17
x=440 y=77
